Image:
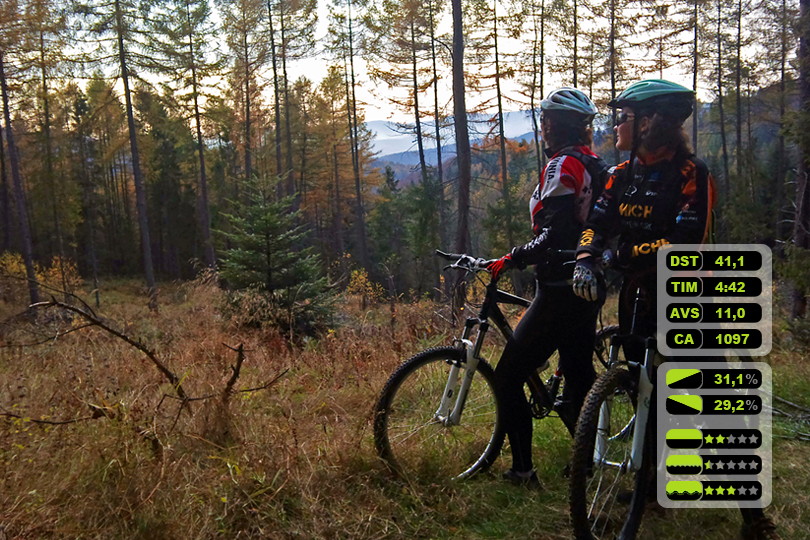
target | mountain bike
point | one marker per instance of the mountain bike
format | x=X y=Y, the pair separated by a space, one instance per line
x=614 y=444
x=438 y=414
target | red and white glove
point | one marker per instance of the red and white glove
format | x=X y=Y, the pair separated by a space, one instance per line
x=498 y=266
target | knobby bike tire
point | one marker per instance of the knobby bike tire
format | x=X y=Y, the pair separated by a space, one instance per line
x=413 y=443
x=596 y=490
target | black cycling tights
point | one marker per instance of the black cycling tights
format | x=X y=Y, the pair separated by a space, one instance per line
x=556 y=320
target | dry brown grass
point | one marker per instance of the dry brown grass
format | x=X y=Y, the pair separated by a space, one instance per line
x=290 y=461
x=293 y=461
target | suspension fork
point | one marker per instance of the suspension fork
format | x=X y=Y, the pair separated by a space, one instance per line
x=645 y=390
x=452 y=402
x=603 y=426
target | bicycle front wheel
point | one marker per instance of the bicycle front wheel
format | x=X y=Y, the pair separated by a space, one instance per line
x=607 y=496
x=417 y=442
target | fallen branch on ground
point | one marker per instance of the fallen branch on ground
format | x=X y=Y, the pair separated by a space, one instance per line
x=94 y=320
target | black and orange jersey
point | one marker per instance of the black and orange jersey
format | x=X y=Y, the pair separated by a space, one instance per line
x=668 y=201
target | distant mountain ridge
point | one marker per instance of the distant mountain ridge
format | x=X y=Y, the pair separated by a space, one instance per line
x=393 y=142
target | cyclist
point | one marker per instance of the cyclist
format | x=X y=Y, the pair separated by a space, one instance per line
x=556 y=319
x=662 y=195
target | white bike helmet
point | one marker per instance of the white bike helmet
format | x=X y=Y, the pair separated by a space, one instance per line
x=570 y=100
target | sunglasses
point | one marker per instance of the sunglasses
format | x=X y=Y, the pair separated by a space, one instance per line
x=621 y=118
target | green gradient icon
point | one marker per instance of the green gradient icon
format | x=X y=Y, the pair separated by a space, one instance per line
x=684 y=438
x=684 y=378
x=684 y=490
x=684 y=464
x=684 y=404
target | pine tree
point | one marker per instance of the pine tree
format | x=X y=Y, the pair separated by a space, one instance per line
x=273 y=281
x=387 y=224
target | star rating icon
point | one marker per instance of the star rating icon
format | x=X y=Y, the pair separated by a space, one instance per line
x=732 y=439
x=709 y=439
x=720 y=439
x=709 y=491
x=707 y=465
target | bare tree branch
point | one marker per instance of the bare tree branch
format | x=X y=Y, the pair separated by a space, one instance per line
x=96 y=321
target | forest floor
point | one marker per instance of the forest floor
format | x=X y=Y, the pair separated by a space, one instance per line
x=94 y=443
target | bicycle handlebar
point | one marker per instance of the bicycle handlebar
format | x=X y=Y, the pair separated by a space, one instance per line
x=463 y=261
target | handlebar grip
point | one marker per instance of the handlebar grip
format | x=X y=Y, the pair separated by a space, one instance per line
x=448 y=256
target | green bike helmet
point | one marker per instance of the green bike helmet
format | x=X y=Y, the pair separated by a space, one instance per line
x=657 y=96
x=570 y=100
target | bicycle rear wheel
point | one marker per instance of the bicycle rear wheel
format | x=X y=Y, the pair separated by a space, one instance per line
x=410 y=437
x=607 y=497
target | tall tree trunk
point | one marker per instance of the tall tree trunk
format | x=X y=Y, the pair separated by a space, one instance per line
x=443 y=224
x=19 y=192
x=248 y=126
x=354 y=129
x=444 y=220
x=140 y=190
x=695 y=67
x=432 y=265
x=738 y=85
x=801 y=228
x=276 y=95
x=504 y=167
x=5 y=207
x=49 y=173
x=463 y=153
x=203 y=212
x=726 y=180
x=337 y=213
x=416 y=116
x=290 y=178
x=502 y=134
x=780 y=148
x=576 y=50
x=613 y=61
x=90 y=212
x=533 y=106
